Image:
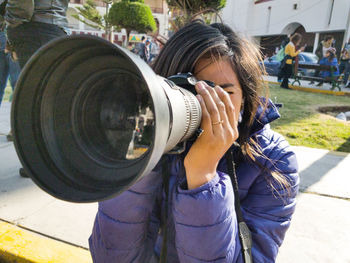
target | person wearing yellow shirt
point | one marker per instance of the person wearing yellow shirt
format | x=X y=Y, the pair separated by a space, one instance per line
x=290 y=53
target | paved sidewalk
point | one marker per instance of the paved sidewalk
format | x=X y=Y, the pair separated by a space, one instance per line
x=318 y=234
x=24 y=204
x=306 y=86
x=319 y=231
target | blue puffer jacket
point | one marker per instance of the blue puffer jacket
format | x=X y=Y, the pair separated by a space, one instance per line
x=202 y=225
x=334 y=62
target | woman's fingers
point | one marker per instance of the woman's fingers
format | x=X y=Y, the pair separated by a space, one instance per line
x=224 y=106
x=210 y=112
x=230 y=110
x=206 y=121
x=227 y=114
x=218 y=113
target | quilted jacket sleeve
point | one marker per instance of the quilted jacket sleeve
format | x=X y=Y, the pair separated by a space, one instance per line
x=268 y=207
x=205 y=218
x=205 y=222
x=126 y=226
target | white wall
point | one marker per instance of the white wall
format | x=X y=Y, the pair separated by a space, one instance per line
x=163 y=23
x=253 y=19
x=236 y=13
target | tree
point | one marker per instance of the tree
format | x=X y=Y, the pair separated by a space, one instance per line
x=132 y=15
x=93 y=18
x=186 y=10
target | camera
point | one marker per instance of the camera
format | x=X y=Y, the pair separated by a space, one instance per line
x=91 y=118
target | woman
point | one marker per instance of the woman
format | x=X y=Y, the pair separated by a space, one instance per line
x=201 y=223
x=330 y=59
x=290 y=54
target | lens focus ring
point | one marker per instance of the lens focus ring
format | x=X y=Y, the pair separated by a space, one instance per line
x=193 y=114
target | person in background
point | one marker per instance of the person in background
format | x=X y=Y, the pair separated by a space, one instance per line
x=280 y=56
x=330 y=59
x=32 y=24
x=147 y=50
x=290 y=54
x=191 y=208
x=9 y=67
x=324 y=46
x=154 y=49
x=344 y=66
x=321 y=51
x=140 y=45
x=143 y=51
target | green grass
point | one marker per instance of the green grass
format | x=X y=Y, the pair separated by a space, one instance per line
x=303 y=125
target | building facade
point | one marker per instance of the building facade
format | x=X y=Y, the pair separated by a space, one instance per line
x=269 y=20
x=159 y=10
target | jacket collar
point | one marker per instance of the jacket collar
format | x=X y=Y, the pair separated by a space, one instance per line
x=264 y=116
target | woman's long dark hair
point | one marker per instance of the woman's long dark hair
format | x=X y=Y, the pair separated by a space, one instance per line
x=198 y=40
x=296 y=38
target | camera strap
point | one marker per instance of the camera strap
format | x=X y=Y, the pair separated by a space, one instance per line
x=166 y=176
x=245 y=236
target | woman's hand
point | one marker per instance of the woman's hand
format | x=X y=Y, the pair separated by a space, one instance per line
x=220 y=130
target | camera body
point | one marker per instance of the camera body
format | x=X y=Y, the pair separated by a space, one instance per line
x=187 y=81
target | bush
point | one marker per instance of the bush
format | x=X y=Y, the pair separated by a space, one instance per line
x=132 y=15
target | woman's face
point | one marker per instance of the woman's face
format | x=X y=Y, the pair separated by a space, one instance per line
x=221 y=73
x=330 y=41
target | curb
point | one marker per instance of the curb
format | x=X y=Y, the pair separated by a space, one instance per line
x=313 y=90
x=18 y=245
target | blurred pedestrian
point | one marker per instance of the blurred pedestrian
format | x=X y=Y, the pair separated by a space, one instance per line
x=322 y=48
x=154 y=49
x=9 y=67
x=280 y=56
x=330 y=59
x=32 y=24
x=144 y=50
x=344 y=66
x=290 y=54
x=139 y=45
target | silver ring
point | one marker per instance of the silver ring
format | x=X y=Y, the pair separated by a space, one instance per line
x=216 y=123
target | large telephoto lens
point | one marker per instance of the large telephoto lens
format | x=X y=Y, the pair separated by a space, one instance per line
x=91 y=118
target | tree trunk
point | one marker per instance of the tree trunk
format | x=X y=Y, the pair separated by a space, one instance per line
x=127 y=38
x=108 y=27
x=108 y=34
